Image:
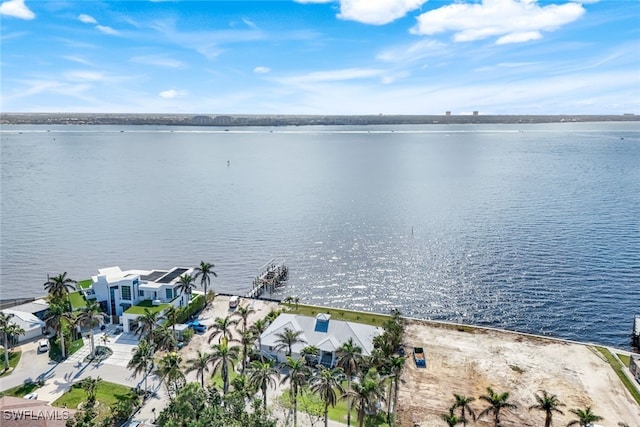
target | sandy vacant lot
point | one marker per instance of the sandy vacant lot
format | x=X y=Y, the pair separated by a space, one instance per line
x=467 y=362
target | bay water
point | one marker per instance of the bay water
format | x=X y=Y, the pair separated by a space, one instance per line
x=533 y=228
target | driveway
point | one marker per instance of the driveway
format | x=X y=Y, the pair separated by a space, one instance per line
x=32 y=366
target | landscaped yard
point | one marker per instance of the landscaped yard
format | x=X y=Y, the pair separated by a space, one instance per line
x=146 y=304
x=14 y=358
x=21 y=390
x=77 y=301
x=373 y=319
x=85 y=284
x=107 y=394
x=55 y=353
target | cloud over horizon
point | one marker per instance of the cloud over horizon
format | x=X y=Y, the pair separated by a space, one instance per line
x=16 y=9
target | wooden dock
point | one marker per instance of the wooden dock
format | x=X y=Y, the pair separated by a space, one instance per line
x=271 y=278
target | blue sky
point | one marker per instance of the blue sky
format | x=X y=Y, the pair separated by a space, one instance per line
x=321 y=57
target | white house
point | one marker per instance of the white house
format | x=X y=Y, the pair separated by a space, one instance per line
x=321 y=331
x=125 y=294
x=33 y=327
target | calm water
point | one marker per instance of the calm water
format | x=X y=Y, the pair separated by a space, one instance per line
x=533 y=228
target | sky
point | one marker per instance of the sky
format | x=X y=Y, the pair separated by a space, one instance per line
x=321 y=57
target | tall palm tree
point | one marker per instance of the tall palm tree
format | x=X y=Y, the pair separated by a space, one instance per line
x=5 y=327
x=247 y=339
x=199 y=364
x=147 y=323
x=464 y=403
x=223 y=359
x=142 y=360
x=325 y=384
x=349 y=358
x=60 y=285
x=585 y=417
x=548 y=403
x=204 y=271
x=56 y=318
x=288 y=339
x=366 y=394
x=169 y=370
x=262 y=375
x=91 y=316
x=496 y=401
x=243 y=313
x=186 y=283
x=395 y=365
x=171 y=314
x=222 y=326
x=164 y=338
x=258 y=328
x=310 y=354
x=297 y=375
x=452 y=419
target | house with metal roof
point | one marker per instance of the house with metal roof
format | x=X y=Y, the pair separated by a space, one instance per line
x=321 y=331
x=33 y=327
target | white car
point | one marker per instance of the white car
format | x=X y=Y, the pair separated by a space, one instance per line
x=31 y=396
x=43 y=346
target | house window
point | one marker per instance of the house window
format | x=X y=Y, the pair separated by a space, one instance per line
x=126 y=292
x=141 y=293
x=169 y=293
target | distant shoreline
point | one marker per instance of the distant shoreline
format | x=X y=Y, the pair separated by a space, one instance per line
x=232 y=120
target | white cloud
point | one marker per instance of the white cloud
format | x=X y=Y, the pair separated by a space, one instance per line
x=107 y=30
x=249 y=23
x=84 y=76
x=335 y=75
x=261 y=70
x=512 y=21
x=17 y=9
x=376 y=12
x=172 y=93
x=158 y=60
x=87 y=19
x=413 y=52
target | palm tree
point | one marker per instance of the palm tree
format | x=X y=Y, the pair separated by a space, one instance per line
x=200 y=364
x=91 y=316
x=204 y=272
x=548 y=403
x=349 y=358
x=263 y=374
x=366 y=394
x=288 y=339
x=496 y=401
x=258 y=328
x=55 y=319
x=395 y=365
x=452 y=419
x=297 y=375
x=147 y=323
x=164 y=338
x=223 y=359
x=325 y=384
x=60 y=285
x=169 y=370
x=222 y=326
x=243 y=313
x=247 y=339
x=310 y=354
x=142 y=360
x=585 y=417
x=186 y=283
x=463 y=402
x=5 y=327
x=171 y=314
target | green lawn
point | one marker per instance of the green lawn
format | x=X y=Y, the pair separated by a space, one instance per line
x=107 y=394
x=617 y=367
x=217 y=378
x=85 y=284
x=626 y=360
x=21 y=390
x=77 y=301
x=373 y=319
x=55 y=353
x=146 y=304
x=14 y=358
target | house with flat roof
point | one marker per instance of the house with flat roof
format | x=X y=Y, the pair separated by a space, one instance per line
x=125 y=295
x=327 y=334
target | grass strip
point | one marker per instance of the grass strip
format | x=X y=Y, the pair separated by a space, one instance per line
x=14 y=358
x=21 y=390
x=373 y=319
x=618 y=368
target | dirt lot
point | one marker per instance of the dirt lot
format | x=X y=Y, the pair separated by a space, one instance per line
x=468 y=361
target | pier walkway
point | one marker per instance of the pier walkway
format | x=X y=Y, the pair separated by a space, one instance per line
x=272 y=277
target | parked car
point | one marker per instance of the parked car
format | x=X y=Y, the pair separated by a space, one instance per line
x=118 y=330
x=43 y=346
x=31 y=396
x=197 y=326
x=234 y=301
